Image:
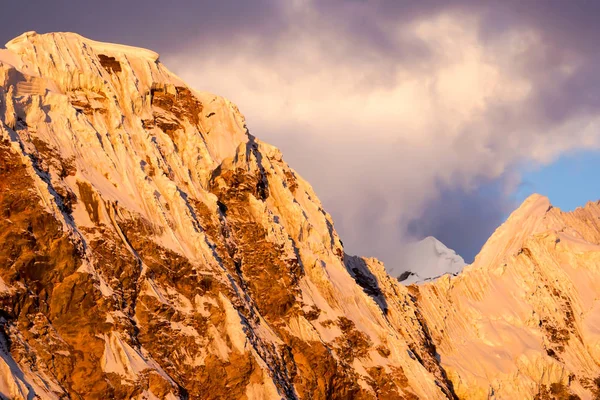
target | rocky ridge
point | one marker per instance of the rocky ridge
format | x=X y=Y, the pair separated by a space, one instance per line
x=153 y=248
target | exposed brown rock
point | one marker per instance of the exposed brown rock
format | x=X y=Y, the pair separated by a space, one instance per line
x=208 y=269
x=177 y=100
x=109 y=63
x=352 y=343
x=90 y=200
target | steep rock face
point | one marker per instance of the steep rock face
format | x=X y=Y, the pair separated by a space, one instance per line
x=153 y=248
x=522 y=320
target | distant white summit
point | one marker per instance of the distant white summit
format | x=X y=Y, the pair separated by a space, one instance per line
x=426 y=260
x=150 y=241
x=429 y=259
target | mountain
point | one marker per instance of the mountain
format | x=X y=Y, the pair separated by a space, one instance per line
x=151 y=247
x=522 y=320
x=426 y=260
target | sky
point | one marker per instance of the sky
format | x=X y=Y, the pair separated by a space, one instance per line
x=570 y=181
x=408 y=118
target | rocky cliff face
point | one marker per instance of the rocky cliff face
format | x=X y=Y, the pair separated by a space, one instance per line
x=523 y=319
x=151 y=247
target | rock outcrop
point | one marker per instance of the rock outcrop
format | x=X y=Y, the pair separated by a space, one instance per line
x=151 y=247
x=523 y=318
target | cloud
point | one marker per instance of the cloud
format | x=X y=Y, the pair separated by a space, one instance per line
x=162 y=26
x=464 y=218
x=404 y=121
x=409 y=118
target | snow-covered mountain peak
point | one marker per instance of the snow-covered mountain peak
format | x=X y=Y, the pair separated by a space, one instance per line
x=23 y=41
x=429 y=258
x=507 y=239
x=129 y=126
x=168 y=253
x=150 y=247
x=426 y=260
x=437 y=246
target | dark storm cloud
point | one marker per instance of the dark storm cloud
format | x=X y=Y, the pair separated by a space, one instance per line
x=569 y=25
x=169 y=26
x=163 y=26
x=464 y=219
x=568 y=31
x=160 y=25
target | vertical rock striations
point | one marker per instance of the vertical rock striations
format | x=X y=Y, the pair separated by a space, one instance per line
x=151 y=247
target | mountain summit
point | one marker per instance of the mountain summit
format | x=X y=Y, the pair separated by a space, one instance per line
x=426 y=260
x=151 y=247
